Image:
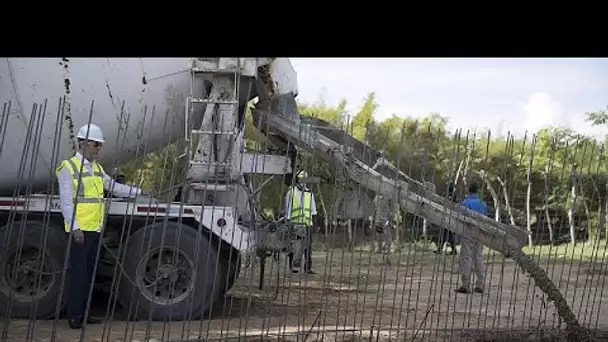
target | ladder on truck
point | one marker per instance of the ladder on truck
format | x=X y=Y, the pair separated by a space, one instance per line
x=210 y=169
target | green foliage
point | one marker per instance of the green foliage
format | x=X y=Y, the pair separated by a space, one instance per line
x=427 y=151
x=598 y=118
x=159 y=171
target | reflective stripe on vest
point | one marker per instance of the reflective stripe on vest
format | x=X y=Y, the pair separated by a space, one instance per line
x=88 y=198
x=301 y=212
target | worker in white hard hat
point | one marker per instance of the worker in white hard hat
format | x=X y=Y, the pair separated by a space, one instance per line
x=83 y=212
x=300 y=208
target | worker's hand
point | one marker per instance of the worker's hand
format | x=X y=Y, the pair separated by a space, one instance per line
x=78 y=236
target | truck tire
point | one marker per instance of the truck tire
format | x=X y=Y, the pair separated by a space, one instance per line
x=231 y=268
x=231 y=265
x=29 y=289
x=234 y=270
x=161 y=287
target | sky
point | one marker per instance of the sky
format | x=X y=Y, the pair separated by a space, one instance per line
x=517 y=95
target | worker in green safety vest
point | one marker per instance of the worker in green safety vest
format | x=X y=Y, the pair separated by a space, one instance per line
x=82 y=181
x=300 y=208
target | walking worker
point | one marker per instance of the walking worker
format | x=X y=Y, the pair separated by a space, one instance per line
x=86 y=225
x=385 y=209
x=471 y=253
x=300 y=208
x=382 y=220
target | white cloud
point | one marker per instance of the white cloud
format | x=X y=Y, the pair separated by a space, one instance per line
x=542 y=110
x=512 y=95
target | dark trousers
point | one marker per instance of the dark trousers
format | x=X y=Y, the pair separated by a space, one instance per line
x=307 y=252
x=445 y=235
x=81 y=267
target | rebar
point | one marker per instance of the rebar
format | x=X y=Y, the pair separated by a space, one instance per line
x=165 y=270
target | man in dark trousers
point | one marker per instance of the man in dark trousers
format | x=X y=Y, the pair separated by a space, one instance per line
x=300 y=208
x=82 y=182
x=446 y=235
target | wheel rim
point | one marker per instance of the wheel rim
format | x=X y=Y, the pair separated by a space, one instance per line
x=22 y=277
x=165 y=277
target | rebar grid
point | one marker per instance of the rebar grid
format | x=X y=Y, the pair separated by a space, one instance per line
x=551 y=184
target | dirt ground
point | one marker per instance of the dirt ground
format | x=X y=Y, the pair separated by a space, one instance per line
x=361 y=296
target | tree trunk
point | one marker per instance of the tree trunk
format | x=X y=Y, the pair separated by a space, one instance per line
x=458 y=172
x=602 y=217
x=549 y=224
x=397 y=228
x=571 y=212
x=600 y=224
x=546 y=205
x=506 y=198
x=528 y=192
x=493 y=193
x=327 y=219
x=403 y=229
x=465 y=172
x=349 y=228
x=587 y=212
x=430 y=187
x=528 y=224
x=424 y=233
x=606 y=210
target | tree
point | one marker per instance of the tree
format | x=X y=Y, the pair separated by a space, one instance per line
x=598 y=118
x=553 y=184
x=364 y=116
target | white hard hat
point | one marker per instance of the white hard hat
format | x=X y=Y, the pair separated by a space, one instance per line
x=94 y=133
x=302 y=174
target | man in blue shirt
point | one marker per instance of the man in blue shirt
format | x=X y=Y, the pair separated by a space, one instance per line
x=471 y=253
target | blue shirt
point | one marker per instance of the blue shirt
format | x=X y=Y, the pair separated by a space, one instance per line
x=473 y=202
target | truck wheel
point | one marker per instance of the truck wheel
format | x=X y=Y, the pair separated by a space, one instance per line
x=234 y=270
x=26 y=285
x=169 y=279
x=231 y=267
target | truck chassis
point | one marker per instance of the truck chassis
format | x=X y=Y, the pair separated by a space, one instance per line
x=133 y=232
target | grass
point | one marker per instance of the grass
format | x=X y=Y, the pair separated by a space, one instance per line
x=588 y=251
x=362 y=256
x=592 y=251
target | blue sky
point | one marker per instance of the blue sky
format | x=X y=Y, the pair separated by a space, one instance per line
x=496 y=94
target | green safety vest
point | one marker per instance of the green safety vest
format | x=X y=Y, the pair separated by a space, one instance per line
x=88 y=200
x=301 y=207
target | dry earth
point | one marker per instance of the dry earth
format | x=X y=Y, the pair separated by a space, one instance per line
x=362 y=296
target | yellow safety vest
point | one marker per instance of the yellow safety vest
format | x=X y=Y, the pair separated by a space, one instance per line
x=301 y=207
x=88 y=199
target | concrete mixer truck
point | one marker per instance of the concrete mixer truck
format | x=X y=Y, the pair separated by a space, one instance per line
x=140 y=104
x=172 y=260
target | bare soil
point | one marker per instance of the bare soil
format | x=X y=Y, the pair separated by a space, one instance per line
x=361 y=296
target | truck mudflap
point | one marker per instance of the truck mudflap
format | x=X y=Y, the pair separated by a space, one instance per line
x=278 y=116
